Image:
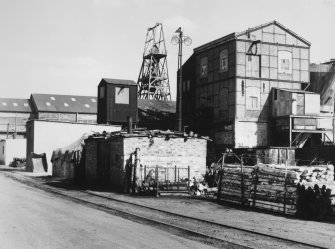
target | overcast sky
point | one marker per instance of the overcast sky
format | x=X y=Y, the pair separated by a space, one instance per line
x=67 y=46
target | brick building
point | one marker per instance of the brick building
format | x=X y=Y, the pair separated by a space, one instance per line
x=107 y=159
x=227 y=83
x=14 y=114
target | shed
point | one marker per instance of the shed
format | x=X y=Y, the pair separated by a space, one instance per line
x=117 y=100
x=107 y=159
x=294 y=102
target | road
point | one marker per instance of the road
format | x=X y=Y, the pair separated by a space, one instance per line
x=32 y=218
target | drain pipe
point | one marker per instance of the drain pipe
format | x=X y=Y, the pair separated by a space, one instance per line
x=129 y=125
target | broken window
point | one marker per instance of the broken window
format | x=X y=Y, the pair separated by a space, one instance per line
x=121 y=95
x=203 y=67
x=285 y=62
x=224 y=60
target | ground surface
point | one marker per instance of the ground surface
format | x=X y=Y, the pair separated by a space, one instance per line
x=30 y=218
x=316 y=233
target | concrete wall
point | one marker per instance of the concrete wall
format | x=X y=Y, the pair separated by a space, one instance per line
x=46 y=136
x=11 y=148
x=109 y=158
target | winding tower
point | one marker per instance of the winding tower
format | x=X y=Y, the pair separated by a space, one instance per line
x=153 y=80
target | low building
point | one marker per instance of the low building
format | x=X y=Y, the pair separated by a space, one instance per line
x=14 y=113
x=12 y=148
x=44 y=136
x=68 y=108
x=107 y=159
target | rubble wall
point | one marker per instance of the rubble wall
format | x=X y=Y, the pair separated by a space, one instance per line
x=111 y=157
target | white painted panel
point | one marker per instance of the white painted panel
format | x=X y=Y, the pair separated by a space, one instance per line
x=312 y=104
x=49 y=136
x=324 y=123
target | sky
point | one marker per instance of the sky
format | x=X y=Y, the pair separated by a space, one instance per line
x=67 y=46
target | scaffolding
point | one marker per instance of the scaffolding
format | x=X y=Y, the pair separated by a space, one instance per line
x=153 y=80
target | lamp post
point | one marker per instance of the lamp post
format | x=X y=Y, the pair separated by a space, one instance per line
x=180 y=39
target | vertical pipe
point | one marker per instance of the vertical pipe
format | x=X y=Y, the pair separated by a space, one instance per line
x=188 y=177
x=290 y=131
x=175 y=174
x=129 y=125
x=167 y=178
x=156 y=173
x=178 y=180
x=134 y=190
x=242 y=182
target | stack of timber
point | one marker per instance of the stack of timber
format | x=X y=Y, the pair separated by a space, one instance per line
x=282 y=189
x=235 y=183
x=274 y=189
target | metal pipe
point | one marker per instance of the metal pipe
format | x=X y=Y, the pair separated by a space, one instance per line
x=180 y=82
x=130 y=125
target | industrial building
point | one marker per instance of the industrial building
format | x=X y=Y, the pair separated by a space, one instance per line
x=13 y=116
x=239 y=88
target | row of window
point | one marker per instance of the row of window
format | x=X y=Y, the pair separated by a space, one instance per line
x=252 y=63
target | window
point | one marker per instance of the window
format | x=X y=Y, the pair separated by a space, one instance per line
x=203 y=67
x=285 y=62
x=224 y=60
x=253 y=98
x=66 y=104
x=188 y=85
x=73 y=99
x=252 y=66
x=253 y=103
x=53 y=98
x=121 y=95
x=102 y=92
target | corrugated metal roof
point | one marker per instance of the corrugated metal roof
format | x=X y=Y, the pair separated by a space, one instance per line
x=119 y=81
x=15 y=105
x=64 y=103
x=157 y=106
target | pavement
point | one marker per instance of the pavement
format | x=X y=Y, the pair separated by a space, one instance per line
x=317 y=233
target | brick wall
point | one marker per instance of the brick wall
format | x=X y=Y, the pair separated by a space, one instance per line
x=91 y=162
x=156 y=151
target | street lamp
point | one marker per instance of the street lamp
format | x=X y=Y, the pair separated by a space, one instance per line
x=180 y=39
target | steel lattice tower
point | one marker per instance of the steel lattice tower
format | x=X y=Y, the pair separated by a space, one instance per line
x=153 y=80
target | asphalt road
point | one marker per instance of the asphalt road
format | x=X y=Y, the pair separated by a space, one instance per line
x=31 y=218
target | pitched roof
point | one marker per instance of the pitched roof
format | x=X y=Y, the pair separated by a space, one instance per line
x=233 y=36
x=14 y=105
x=119 y=81
x=157 y=105
x=64 y=103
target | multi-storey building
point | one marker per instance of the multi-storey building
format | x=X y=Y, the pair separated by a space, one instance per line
x=227 y=83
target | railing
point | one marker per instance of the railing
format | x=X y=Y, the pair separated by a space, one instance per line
x=165 y=179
